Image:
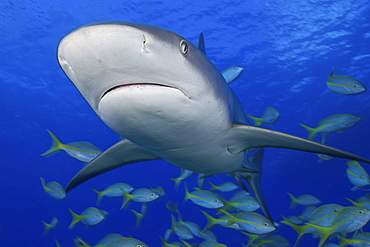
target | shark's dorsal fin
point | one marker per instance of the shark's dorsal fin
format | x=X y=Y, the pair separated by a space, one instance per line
x=246 y=136
x=120 y=154
x=201 y=44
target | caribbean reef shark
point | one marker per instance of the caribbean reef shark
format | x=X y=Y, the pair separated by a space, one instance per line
x=168 y=100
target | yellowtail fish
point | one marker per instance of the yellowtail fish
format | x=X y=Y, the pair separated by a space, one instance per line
x=231 y=73
x=204 y=198
x=357 y=175
x=180 y=230
x=304 y=200
x=83 y=151
x=333 y=124
x=270 y=116
x=140 y=195
x=359 y=240
x=48 y=226
x=114 y=190
x=90 y=216
x=184 y=175
x=53 y=189
x=344 y=84
x=241 y=201
x=224 y=187
x=251 y=222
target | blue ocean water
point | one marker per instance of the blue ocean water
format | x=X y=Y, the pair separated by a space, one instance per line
x=287 y=48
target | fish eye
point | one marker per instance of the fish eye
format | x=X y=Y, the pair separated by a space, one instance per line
x=216 y=200
x=360 y=211
x=354 y=85
x=265 y=224
x=184 y=47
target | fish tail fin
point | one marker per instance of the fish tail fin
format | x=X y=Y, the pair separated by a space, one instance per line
x=210 y=221
x=232 y=217
x=83 y=242
x=43 y=182
x=353 y=202
x=126 y=198
x=257 y=121
x=293 y=203
x=47 y=228
x=298 y=228
x=56 y=145
x=324 y=232
x=75 y=219
x=332 y=71
x=251 y=238
x=312 y=132
x=214 y=187
x=343 y=241
x=57 y=243
x=177 y=182
x=100 y=196
x=186 y=192
x=139 y=218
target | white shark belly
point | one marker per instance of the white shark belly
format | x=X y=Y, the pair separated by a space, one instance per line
x=176 y=128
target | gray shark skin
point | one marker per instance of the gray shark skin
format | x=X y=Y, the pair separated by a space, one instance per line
x=167 y=99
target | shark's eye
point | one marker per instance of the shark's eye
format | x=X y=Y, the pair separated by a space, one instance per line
x=184 y=47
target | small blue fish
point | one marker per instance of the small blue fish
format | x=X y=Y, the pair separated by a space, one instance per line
x=48 y=226
x=357 y=175
x=184 y=175
x=114 y=190
x=304 y=200
x=83 y=151
x=140 y=195
x=251 y=222
x=90 y=216
x=204 y=198
x=344 y=84
x=225 y=187
x=333 y=124
x=180 y=230
x=245 y=204
x=53 y=189
x=231 y=73
x=270 y=116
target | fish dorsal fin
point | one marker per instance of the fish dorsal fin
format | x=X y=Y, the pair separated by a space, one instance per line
x=332 y=72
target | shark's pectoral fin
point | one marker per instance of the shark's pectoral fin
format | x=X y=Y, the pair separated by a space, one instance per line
x=246 y=136
x=120 y=154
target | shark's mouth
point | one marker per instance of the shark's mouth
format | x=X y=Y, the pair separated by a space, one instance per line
x=139 y=85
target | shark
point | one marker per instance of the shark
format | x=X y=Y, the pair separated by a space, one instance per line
x=169 y=101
